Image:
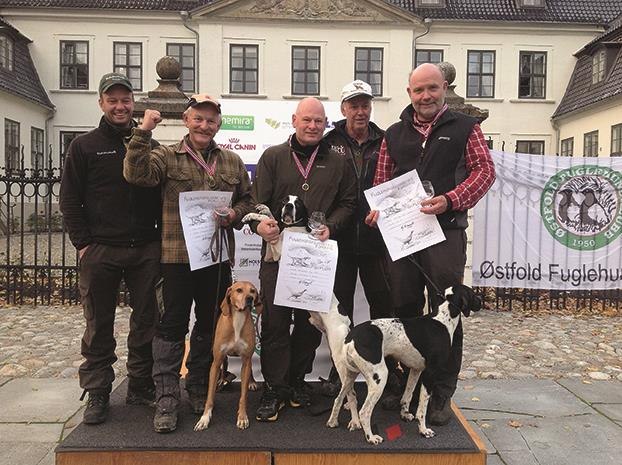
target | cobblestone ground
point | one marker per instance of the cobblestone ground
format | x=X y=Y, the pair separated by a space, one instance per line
x=44 y=342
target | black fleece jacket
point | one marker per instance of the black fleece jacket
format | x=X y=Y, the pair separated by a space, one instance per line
x=358 y=238
x=98 y=204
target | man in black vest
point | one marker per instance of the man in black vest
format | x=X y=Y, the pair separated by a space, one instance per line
x=448 y=149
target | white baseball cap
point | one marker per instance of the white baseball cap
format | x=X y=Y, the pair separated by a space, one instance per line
x=354 y=89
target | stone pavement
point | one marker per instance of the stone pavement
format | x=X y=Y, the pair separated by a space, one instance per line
x=543 y=389
x=522 y=422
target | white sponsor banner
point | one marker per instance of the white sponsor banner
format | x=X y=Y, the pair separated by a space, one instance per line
x=247 y=255
x=550 y=223
x=249 y=127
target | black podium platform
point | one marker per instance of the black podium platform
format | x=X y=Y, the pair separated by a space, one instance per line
x=298 y=437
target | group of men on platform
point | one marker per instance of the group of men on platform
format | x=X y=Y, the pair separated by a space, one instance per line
x=120 y=202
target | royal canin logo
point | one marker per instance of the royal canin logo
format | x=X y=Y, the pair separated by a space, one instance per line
x=234 y=144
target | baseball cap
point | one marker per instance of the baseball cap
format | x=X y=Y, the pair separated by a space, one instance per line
x=114 y=79
x=199 y=99
x=354 y=89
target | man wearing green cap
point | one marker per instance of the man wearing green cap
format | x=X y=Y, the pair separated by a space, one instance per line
x=115 y=227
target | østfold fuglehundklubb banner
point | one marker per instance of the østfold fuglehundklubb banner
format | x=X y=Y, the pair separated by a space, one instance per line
x=550 y=223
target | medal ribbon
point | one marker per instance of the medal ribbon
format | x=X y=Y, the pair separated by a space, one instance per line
x=305 y=171
x=424 y=128
x=199 y=159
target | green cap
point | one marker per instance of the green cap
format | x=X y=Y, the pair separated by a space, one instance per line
x=114 y=79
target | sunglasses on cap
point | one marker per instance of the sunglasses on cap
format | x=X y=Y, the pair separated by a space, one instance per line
x=200 y=99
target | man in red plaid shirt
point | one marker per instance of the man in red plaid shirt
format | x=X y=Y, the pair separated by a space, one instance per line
x=449 y=150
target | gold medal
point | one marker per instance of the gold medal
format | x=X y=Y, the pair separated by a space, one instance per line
x=305 y=187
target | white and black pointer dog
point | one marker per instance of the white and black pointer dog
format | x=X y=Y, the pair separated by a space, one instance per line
x=422 y=344
x=293 y=215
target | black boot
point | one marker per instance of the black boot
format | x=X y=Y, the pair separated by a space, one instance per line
x=269 y=405
x=439 y=410
x=167 y=358
x=165 y=418
x=97 y=406
x=301 y=394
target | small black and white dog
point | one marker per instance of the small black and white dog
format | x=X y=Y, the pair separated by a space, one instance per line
x=293 y=215
x=422 y=344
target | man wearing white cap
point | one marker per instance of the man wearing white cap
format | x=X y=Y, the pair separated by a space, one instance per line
x=361 y=249
x=196 y=163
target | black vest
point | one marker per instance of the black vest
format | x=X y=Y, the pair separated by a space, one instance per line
x=441 y=161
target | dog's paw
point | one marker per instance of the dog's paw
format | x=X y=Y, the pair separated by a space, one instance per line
x=354 y=425
x=332 y=422
x=243 y=422
x=374 y=439
x=427 y=432
x=252 y=386
x=407 y=416
x=203 y=422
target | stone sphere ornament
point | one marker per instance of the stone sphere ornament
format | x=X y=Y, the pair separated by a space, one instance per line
x=168 y=68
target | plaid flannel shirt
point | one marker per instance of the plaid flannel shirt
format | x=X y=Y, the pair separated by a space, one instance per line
x=176 y=171
x=478 y=163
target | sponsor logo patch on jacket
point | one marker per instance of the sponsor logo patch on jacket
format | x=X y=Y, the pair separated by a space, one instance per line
x=109 y=152
x=340 y=149
x=444 y=138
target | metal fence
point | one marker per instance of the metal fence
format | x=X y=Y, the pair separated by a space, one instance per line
x=39 y=265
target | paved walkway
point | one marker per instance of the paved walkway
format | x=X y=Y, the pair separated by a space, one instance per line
x=541 y=390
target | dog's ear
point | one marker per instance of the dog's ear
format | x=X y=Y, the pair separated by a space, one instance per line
x=469 y=301
x=225 y=306
x=455 y=304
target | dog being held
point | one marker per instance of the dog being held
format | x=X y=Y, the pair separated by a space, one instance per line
x=235 y=335
x=293 y=215
x=422 y=344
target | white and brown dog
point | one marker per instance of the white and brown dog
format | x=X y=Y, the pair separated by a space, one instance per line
x=235 y=335
x=293 y=216
x=422 y=344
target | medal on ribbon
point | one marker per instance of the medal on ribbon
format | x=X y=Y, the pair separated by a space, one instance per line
x=307 y=169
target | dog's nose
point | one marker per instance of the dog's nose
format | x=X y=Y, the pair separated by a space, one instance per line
x=249 y=301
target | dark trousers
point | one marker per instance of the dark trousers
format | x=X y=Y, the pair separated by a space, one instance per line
x=373 y=272
x=180 y=287
x=285 y=357
x=101 y=269
x=444 y=264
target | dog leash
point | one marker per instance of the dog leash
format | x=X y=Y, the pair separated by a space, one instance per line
x=436 y=289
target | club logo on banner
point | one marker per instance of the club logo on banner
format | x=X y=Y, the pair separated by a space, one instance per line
x=580 y=207
x=550 y=223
